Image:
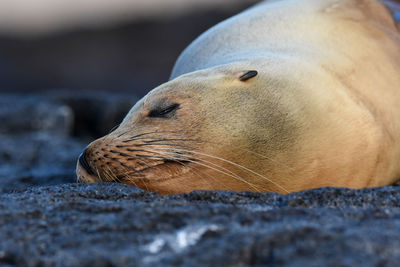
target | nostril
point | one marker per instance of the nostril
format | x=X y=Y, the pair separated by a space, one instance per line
x=83 y=162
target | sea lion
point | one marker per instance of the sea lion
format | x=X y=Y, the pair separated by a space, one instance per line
x=285 y=96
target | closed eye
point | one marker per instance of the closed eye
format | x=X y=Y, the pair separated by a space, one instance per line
x=162 y=113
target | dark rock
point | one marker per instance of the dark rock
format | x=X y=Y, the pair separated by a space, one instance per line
x=95 y=113
x=119 y=225
x=37 y=159
x=87 y=114
x=33 y=113
x=41 y=137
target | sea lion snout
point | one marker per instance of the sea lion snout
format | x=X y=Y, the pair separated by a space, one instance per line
x=84 y=163
x=85 y=168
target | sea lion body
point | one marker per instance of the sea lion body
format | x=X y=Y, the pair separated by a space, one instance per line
x=322 y=110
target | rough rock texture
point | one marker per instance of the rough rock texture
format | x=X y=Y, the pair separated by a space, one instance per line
x=118 y=225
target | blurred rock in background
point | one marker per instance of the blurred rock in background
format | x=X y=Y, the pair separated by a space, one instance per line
x=116 y=45
x=41 y=136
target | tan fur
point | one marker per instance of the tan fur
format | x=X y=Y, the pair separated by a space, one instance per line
x=324 y=109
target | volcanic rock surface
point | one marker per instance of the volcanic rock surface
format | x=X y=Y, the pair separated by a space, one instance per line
x=119 y=225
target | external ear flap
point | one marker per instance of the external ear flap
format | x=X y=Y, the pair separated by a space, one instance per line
x=248 y=75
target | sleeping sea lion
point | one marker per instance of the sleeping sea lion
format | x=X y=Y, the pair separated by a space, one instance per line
x=285 y=96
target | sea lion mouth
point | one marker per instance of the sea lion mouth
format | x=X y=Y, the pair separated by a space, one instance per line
x=83 y=175
x=180 y=162
x=165 y=170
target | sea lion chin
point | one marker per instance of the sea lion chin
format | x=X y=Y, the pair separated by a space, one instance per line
x=283 y=97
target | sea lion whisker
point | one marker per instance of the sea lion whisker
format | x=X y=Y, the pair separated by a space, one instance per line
x=123 y=154
x=136 y=137
x=98 y=173
x=128 y=175
x=191 y=167
x=129 y=178
x=139 y=150
x=237 y=165
x=138 y=145
x=158 y=144
x=160 y=153
x=201 y=177
x=145 y=183
x=127 y=156
x=271 y=159
x=113 y=128
x=144 y=157
x=133 y=169
x=225 y=169
x=233 y=175
x=113 y=176
x=130 y=168
x=106 y=176
x=168 y=139
x=149 y=140
x=127 y=167
x=206 y=161
x=263 y=156
x=223 y=172
x=122 y=134
x=109 y=178
x=135 y=150
x=210 y=176
x=118 y=136
x=139 y=135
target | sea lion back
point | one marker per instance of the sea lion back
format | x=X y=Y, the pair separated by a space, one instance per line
x=280 y=27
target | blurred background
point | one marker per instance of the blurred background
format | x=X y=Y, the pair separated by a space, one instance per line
x=71 y=69
x=119 y=45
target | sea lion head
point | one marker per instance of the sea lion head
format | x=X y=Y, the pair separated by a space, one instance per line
x=211 y=129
